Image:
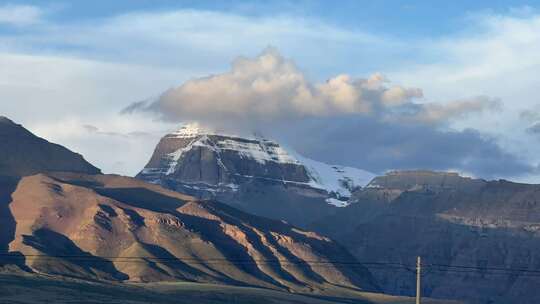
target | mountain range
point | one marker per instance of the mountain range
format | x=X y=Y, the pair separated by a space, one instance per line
x=64 y=218
x=224 y=209
x=471 y=232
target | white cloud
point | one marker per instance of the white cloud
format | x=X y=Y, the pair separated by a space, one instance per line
x=494 y=46
x=56 y=97
x=194 y=39
x=20 y=15
x=494 y=55
x=115 y=146
x=270 y=88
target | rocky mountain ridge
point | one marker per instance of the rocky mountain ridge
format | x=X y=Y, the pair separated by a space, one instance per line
x=243 y=170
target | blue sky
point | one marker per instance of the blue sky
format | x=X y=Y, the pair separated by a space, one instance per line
x=390 y=17
x=394 y=20
x=69 y=68
x=415 y=18
x=409 y=22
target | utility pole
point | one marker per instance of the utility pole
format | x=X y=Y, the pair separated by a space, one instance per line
x=418 y=275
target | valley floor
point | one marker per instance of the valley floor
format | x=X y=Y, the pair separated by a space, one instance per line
x=30 y=289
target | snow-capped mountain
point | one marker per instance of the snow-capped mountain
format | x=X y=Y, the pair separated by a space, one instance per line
x=240 y=158
x=248 y=170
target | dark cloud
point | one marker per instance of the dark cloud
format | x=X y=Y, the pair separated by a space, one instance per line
x=436 y=113
x=529 y=115
x=91 y=129
x=379 y=146
x=532 y=116
x=134 y=107
x=534 y=129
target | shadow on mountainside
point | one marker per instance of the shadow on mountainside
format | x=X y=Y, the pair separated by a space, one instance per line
x=340 y=257
x=8 y=185
x=60 y=255
x=234 y=253
x=7 y=233
x=172 y=262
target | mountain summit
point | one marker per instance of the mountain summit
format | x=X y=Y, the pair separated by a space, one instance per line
x=22 y=153
x=245 y=170
x=5 y=120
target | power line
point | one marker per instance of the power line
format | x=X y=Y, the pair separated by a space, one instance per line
x=429 y=268
x=219 y=261
x=194 y=259
x=485 y=268
x=457 y=272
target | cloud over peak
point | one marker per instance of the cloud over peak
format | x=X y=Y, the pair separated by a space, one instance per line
x=270 y=88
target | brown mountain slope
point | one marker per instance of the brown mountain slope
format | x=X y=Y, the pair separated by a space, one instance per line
x=22 y=153
x=118 y=228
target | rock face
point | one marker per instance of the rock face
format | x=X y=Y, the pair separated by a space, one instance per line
x=22 y=153
x=255 y=174
x=119 y=228
x=468 y=232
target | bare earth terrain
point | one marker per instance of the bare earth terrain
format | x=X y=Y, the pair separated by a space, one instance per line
x=24 y=289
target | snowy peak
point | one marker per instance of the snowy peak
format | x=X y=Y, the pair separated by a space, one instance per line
x=191 y=130
x=204 y=159
x=256 y=147
x=197 y=156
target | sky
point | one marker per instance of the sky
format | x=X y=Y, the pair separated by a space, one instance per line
x=378 y=85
